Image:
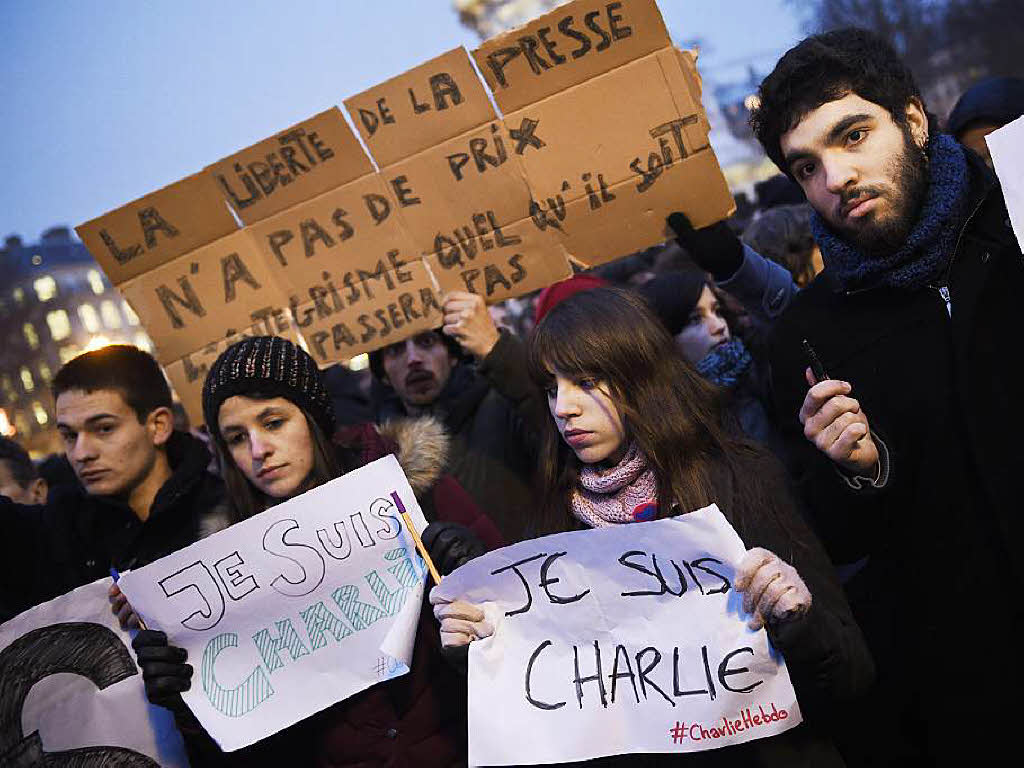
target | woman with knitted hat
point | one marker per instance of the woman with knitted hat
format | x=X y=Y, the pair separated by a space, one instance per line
x=634 y=435
x=272 y=425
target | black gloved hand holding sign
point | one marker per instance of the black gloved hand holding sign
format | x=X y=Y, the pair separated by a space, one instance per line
x=164 y=670
x=451 y=545
x=716 y=249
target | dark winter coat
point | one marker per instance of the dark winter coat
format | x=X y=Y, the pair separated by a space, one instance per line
x=825 y=652
x=940 y=594
x=491 y=411
x=418 y=719
x=75 y=538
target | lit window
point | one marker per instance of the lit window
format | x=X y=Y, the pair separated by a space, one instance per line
x=6 y=428
x=96 y=282
x=46 y=288
x=60 y=324
x=111 y=317
x=26 y=380
x=8 y=388
x=133 y=319
x=142 y=342
x=67 y=353
x=89 y=317
x=30 y=335
x=40 y=413
x=19 y=295
x=45 y=373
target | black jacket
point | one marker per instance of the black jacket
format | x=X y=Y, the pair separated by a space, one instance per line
x=490 y=411
x=940 y=591
x=75 y=539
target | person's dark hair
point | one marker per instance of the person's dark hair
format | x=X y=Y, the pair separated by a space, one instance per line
x=673 y=414
x=825 y=68
x=329 y=461
x=377 y=356
x=23 y=471
x=128 y=370
x=783 y=234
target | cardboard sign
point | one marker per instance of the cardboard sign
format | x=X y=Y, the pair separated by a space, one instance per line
x=188 y=374
x=204 y=296
x=1006 y=145
x=430 y=103
x=71 y=693
x=376 y=310
x=294 y=609
x=291 y=166
x=618 y=640
x=623 y=150
x=573 y=43
x=603 y=136
x=155 y=229
x=499 y=261
x=328 y=244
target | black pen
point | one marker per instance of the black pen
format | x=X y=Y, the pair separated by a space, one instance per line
x=816 y=367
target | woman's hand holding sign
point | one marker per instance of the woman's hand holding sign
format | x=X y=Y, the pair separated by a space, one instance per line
x=773 y=591
x=461 y=623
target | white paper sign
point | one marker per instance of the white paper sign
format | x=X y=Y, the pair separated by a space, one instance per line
x=618 y=640
x=68 y=681
x=294 y=609
x=1006 y=145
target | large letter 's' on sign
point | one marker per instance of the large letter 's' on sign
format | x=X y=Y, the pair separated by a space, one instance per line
x=71 y=694
x=294 y=609
x=618 y=640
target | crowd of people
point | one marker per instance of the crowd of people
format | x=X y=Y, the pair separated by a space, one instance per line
x=836 y=375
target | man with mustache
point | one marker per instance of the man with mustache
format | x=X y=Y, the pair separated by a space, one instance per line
x=908 y=447
x=472 y=377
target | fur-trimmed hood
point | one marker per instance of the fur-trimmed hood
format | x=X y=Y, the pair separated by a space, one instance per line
x=421 y=445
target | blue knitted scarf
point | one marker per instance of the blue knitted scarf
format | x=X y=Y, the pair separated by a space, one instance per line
x=929 y=246
x=725 y=364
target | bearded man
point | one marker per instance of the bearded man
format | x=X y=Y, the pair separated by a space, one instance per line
x=907 y=444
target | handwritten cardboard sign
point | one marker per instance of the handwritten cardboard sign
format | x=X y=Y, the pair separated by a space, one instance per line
x=293 y=165
x=294 y=609
x=430 y=103
x=205 y=295
x=155 y=229
x=71 y=693
x=602 y=136
x=618 y=640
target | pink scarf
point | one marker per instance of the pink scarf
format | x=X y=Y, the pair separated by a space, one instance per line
x=625 y=493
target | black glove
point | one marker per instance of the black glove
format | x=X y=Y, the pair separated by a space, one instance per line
x=716 y=249
x=451 y=545
x=164 y=670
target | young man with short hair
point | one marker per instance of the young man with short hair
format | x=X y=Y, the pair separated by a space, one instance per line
x=144 y=493
x=909 y=447
x=19 y=480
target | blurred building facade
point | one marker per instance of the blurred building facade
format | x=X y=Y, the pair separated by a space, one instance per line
x=55 y=303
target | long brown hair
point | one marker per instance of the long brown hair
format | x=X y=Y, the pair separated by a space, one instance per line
x=329 y=462
x=668 y=409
